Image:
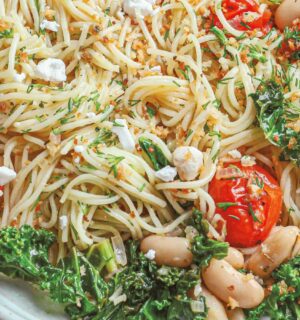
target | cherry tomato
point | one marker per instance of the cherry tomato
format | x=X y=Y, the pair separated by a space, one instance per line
x=250 y=204
x=245 y=15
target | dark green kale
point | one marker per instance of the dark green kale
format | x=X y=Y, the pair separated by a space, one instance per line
x=75 y=281
x=24 y=251
x=204 y=248
x=153 y=152
x=152 y=292
x=278 y=118
x=283 y=301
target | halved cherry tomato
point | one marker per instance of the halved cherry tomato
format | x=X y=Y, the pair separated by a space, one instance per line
x=245 y=15
x=250 y=203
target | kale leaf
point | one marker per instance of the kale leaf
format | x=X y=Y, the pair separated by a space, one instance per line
x=24 y=251
x=153 y=152
x=283 y=301
x=279 y=119
x=204 y=248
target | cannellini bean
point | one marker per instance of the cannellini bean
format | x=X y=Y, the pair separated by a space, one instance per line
x=229 y=285
x=170 y=251
x=236 y=314
x=287 y=12
x=276 y=249
x=216 y=310
x=235 y=258
x=188 y=161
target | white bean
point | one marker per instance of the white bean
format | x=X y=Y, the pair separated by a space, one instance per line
x=235 y=258
x=216 y=310
x=236 y=314
x=276 y=249
x=170 y=251
x=226 y=283
x=287 y=12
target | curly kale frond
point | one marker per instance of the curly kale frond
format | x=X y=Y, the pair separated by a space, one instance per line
x=283 y=300
x=279 y=119
x=204 y=248
x=24 y=251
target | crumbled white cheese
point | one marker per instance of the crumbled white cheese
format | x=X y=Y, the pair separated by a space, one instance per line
x=63 y=222
x=79 y=148
x=235 y=154
x=77 y=160
x=49 y=25
x=150 y=254
x=188 y=161
x=156 y=69
x=6 y=175
x=248 y=161
x=120 y=128
x=51 y=70
x=224 y=63
x=91 y=115
x=1 y=193
x=197 y=290
x=255 y=190
x=19 y=77
x=166 y=174
x=139 y=8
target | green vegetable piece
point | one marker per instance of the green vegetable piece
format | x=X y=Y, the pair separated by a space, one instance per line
x=278 y=119
x=153 y=153
x=203 y=248
x=102 y=255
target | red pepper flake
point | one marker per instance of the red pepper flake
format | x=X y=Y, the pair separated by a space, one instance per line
x=276 y=138
x=132 y=215
x=151 y=149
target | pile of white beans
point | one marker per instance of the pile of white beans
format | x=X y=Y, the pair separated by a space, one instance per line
x=225 y=285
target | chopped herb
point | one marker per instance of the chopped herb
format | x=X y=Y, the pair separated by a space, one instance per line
x=141 y=188
x=166 y=35
x=252 y=213
x=220 y=35
x=226 y=205
x=133 y=103
x=151 y=111
x=8 y=33
x=234 y=217
x=176 y=83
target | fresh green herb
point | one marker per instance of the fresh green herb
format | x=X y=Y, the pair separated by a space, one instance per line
x=234 y=217
x=151 y=111
x=7 y=33
x=105 y=136
x=188 y=134
x=153 y=153
x=142 y=187
x=243 y=24
x=220 y=35
x=133 y=103
x=176 y=83
x=252 y=213
x=256 y=53
x=226 y=205
x=166 y=35
x=278 y=117
x=224 y=80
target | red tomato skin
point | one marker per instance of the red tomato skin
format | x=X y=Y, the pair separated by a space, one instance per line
x=242 y=230
x=234 y=10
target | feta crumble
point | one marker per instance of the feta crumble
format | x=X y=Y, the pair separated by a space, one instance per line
x=63 y=222
x=156 y=69
x=79 y=148
x=120 y=128
x=188 y=161
x=91 y=115
x=235 y=154
x=6 y=175
x=248 y=161
x=150 y=254
x=139 y=8
x=49 y=25
x=166 y=174
x=19 y=77
x=51 y=70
